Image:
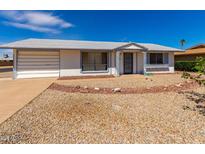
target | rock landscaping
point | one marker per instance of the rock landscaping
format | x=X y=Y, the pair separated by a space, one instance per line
x=96 y=89
x=59 y=117
x=157 y=89
x=125 y=81
x=113 y=111
x=116 y=90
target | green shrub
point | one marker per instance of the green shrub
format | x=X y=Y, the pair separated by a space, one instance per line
x=185 y=66
x=200 y=65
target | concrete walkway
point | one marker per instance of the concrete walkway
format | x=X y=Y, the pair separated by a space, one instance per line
x=14 y=94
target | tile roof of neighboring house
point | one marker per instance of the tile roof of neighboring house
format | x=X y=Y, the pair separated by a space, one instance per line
x=197 y=46
x=76 y=44
x=197 y=49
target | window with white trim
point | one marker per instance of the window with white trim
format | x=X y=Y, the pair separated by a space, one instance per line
x=157 y=58
x=94 y=61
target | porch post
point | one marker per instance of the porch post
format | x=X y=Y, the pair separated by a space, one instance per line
x=134 y=62
x=15 y=52
x=118 y=59
x=145 y=61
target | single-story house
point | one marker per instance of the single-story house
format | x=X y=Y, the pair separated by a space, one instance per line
x=59 y=58
x=191 y=53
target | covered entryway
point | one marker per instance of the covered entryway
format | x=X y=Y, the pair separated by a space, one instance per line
x=37 y=64
x=128 y=63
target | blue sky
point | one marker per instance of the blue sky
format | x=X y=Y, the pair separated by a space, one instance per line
x=162 y=27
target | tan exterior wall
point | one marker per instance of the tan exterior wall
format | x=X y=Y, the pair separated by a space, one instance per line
x=171 y=62
x=140 y=63
x=134 y=62
x=70 y=64
x=171 y=59
x=14 y=63
x=112 y=62
x=122 y=63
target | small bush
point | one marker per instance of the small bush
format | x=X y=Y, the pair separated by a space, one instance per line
x=185 y=66
x=200 y=65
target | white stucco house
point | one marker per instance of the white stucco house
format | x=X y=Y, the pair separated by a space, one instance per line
x=59 y=58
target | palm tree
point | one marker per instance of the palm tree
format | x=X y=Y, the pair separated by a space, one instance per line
x=182 y=42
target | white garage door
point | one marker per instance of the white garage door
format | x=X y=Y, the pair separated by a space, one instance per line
x=37 y=64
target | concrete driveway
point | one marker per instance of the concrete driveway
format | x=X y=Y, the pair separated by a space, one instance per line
x=6 y=71
x=14 y=94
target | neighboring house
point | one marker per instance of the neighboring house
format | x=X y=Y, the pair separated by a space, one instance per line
x=191 y=53
x=58 y=58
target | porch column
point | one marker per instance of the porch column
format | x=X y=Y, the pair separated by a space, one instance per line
x=118 y=59
x=145 y=61
x=14 y=63
x=134 y=62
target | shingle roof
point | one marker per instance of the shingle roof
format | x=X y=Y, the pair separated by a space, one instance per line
x=76 y=44
x=157 y=47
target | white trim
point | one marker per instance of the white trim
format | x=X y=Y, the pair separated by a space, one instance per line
x=118 y=59
x=14 y=63
x=33 y=74
x=112 y=70
x=98 y=71
x=160 y=72
x=121 y=63
x=157 y=65
x=134 y=62
x=170 y=69
x=145 y=61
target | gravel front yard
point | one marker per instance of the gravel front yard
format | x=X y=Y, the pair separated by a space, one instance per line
x=59 y=117
x=127 y=81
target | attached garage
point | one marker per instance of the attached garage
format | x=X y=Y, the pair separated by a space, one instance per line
x=36 y=63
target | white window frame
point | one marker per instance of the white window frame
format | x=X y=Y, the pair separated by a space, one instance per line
x=163 y=58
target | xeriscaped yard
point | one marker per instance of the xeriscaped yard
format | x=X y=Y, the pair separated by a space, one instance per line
x=127 y=81
x=61 y=117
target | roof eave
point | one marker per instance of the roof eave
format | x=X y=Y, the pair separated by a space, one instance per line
x=166 y=50
x=6 y=47
x=195 y=46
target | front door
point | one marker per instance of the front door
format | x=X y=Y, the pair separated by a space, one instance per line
x=128 y=63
